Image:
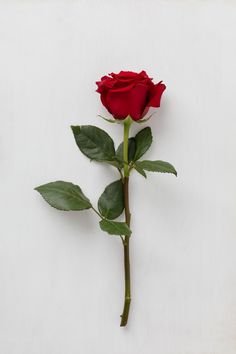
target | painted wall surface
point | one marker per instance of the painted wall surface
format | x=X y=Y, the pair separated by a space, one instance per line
x=61 y=278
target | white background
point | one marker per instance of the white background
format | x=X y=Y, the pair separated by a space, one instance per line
x=61 y=278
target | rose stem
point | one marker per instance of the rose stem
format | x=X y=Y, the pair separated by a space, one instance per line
x=127 y=300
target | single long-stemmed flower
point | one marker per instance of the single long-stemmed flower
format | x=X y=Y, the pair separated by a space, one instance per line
x=128 y=97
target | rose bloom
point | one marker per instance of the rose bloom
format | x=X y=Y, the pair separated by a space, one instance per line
x=129 y=93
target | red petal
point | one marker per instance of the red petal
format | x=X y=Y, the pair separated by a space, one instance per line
x=123 y=88
x=103 y=99
x=123 y=103
x=155 y=98
x=137 y=101
x=117 y=103
x=125 y=74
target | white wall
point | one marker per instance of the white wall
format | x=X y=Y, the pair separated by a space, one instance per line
x=61 y=279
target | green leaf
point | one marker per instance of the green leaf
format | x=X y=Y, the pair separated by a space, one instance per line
x=94 y=142
x=115 y=227
x=111 y=202
x=131 y=150
x=140 y=170
x=143 y=142
x=156 y=166
x=64 y=196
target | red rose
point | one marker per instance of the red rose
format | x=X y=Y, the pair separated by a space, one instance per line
x=129 y=93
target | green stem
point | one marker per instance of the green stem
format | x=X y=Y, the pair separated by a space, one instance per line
x=127 y=300
x=127 y=124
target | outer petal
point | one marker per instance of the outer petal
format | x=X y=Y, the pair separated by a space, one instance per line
x=117 y=103
x=125 y=75
x=157 y=92
x=123 y=103
x=137 y=101
x=103 y=99
x=105 y=83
